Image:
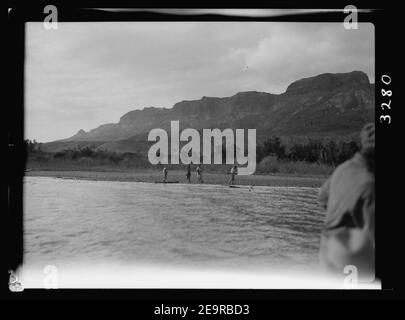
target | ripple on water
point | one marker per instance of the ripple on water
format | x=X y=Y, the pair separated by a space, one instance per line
x=183 y=224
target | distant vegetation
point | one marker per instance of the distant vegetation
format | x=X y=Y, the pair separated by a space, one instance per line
x=273 y=156
x=81 y=159
x=314 y=151
x=312 y=157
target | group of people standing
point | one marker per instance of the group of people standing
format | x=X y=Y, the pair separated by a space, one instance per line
x=198 y=170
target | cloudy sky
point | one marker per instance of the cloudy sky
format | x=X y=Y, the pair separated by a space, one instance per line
x=86 y=74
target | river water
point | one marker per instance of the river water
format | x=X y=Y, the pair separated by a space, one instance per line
x=78 y=221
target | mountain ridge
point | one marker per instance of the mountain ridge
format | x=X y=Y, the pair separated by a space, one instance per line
x=325 y=104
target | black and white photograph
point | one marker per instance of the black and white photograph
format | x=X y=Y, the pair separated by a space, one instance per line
x=199 y=154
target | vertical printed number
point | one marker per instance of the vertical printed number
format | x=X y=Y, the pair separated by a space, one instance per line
x=386 y=93
x=386 y=79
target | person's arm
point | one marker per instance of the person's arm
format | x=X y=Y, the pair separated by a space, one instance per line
x=323 y=194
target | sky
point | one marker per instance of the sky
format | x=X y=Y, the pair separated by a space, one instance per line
x=85 y=74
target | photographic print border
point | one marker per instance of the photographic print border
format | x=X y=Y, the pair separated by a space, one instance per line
x=13 y=219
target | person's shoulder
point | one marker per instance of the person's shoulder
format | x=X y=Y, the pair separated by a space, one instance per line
x=354 y=162
x=344 y=166
x=349 y=169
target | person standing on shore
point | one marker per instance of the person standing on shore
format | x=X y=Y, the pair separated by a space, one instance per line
x=165 y=174
x=234 y=172
x=188 y=174
x=349 y=199
x=199 y=174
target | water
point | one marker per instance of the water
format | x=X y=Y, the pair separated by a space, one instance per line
x=70 y=221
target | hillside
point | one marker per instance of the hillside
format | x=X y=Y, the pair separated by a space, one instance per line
x=327 y=105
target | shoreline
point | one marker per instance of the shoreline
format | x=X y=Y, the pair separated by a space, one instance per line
x=151 y=176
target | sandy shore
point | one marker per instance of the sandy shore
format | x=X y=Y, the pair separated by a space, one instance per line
x=209 y=178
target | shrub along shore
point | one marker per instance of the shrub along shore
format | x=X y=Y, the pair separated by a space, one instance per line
x=274 y=157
